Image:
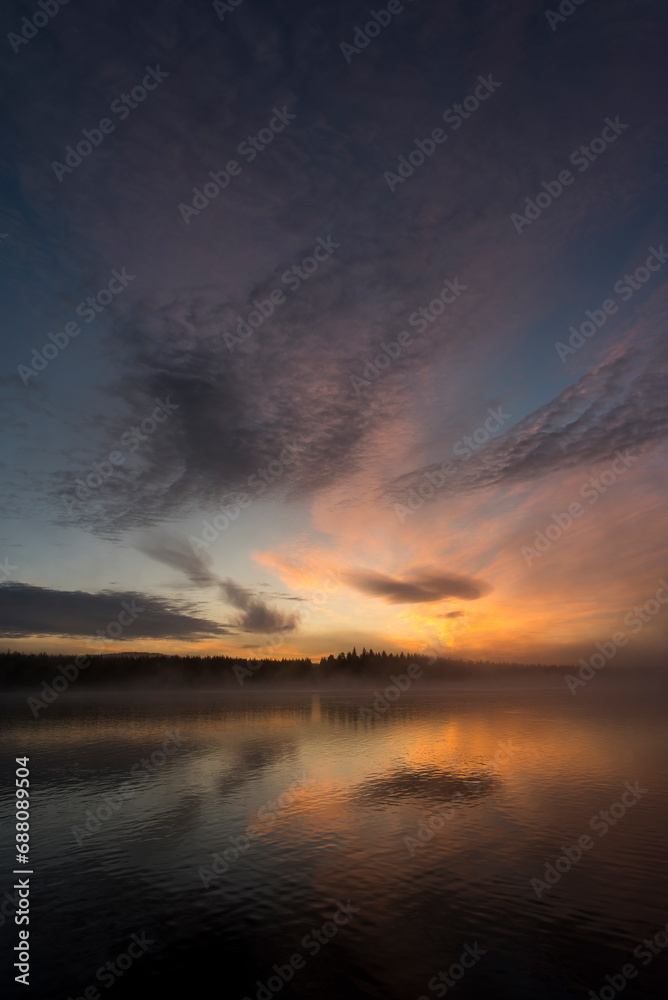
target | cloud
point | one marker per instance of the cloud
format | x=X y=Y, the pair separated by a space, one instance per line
x=178 y=554
x=421 y=588
x=257 y=615
x=26 y=610
x=620 y=406
x=291 y=380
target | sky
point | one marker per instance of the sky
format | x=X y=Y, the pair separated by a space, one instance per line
x=329 y=325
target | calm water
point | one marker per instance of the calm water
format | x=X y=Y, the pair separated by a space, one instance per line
x=351 y=796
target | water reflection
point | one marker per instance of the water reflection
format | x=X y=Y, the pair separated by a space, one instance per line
x=340 y=833
x=430 y=785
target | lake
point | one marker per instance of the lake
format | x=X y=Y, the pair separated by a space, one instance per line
x=306 y=845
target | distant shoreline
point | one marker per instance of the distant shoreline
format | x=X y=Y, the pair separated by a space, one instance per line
x=154 y=672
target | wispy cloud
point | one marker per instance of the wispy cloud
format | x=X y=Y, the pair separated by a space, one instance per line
x=622 y=405
x=257 y=615
x=418 y=587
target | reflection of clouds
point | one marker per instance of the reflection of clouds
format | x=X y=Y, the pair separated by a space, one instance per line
x=233 y=780
x=255 y=756
x=259 y=754
x=423 y=784
x=184 y=814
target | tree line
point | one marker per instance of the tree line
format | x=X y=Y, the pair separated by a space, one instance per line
x=20 y=670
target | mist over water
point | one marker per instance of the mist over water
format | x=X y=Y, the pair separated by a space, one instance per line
x=230 y=829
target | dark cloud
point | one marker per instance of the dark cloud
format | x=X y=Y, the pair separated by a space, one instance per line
x=178 y=554
x=26 y=610
x=621 y=406
x=257 y=615
x=289 y=383
x=419 y=588
x=291 y=380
